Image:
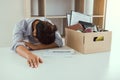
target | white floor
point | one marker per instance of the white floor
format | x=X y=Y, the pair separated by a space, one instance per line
x=97 y=66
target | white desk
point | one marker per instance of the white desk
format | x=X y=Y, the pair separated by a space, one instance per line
x=97 y=66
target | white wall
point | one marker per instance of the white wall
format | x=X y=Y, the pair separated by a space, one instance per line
x=113 y=15
x=113 y=24
x=61 y=6
x=113 y=21
x=11 y=11
x=88 y=6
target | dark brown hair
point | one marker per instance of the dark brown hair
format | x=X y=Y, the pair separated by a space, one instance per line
x=46 y=32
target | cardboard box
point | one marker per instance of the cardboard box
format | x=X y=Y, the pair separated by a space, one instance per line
x=84 y=42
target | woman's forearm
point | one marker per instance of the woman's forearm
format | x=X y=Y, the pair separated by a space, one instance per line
x=40 y=46
x=43 y=46
x=24 y=52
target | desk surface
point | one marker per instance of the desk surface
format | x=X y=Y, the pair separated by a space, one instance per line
x=97 y=66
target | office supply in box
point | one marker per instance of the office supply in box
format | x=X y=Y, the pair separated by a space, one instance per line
x=75 y=17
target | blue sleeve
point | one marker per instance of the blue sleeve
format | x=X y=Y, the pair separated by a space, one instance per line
x=58 y=39
x=18 y=34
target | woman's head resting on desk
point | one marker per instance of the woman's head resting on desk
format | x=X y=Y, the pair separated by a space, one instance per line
x=44 y=31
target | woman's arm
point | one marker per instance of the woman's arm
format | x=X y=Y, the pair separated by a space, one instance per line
x=40 y=46
x=32 y=59
x=19 y=46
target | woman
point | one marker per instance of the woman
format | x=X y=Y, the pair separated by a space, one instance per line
x=35 y=34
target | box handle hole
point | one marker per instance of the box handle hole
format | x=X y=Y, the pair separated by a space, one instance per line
x=98 y=38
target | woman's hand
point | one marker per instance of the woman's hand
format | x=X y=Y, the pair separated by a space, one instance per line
x=33 y=60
